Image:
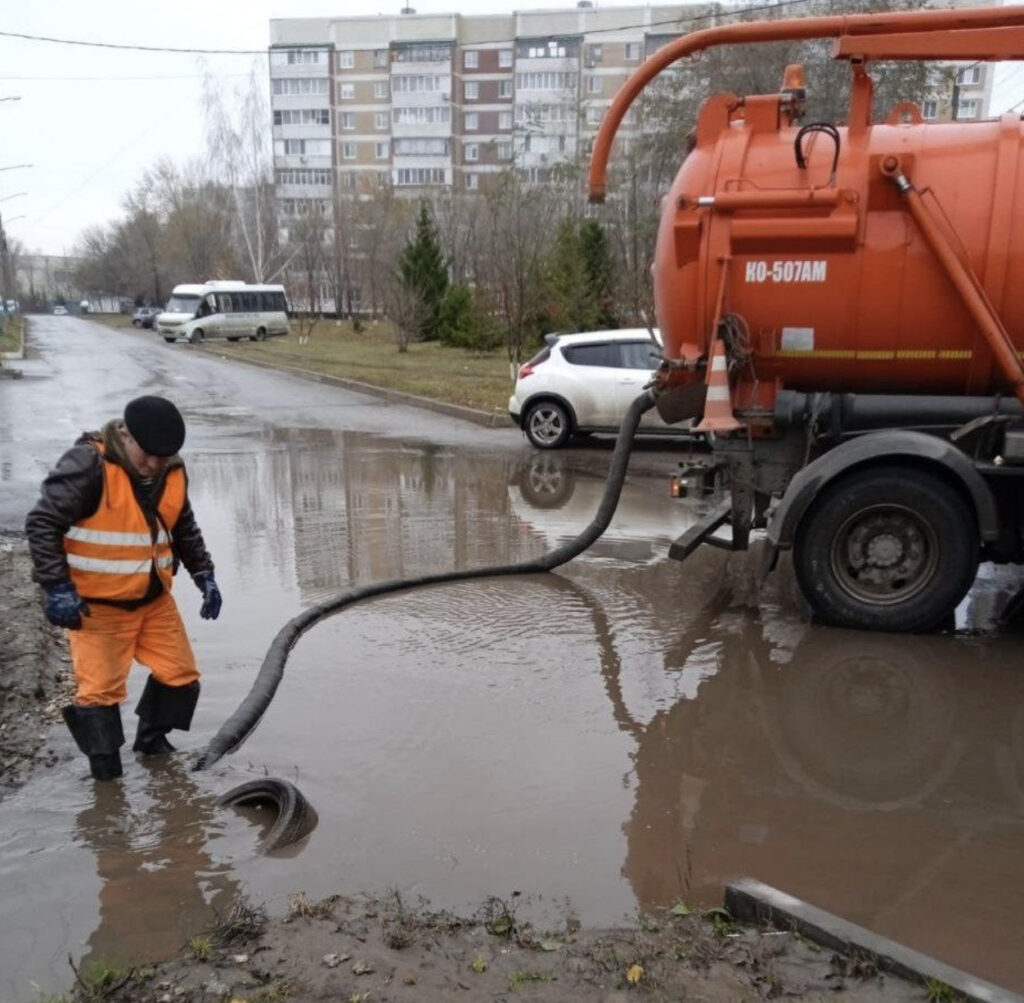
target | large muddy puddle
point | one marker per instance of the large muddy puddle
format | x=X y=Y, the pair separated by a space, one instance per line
x=624 y=734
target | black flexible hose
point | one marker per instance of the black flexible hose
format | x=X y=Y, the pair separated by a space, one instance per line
x=235 y=729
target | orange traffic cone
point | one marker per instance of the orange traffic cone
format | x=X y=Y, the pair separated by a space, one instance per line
x=718 y=416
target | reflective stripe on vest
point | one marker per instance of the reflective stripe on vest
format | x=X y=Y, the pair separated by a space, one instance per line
x=112 y=552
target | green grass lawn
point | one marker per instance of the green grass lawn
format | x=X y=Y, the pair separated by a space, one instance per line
x=474 y=379
x=10 y=334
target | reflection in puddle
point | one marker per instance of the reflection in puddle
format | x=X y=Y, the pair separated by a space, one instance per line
x=628 y=731
x=151 y=849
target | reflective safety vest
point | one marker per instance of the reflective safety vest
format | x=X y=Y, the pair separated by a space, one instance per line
x=112 y=552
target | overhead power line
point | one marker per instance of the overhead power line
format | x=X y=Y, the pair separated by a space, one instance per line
x=175 y=50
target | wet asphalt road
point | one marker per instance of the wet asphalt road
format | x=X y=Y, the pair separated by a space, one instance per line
x=625 y=734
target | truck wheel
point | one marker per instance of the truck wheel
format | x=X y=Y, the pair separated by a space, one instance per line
x=887 y=549
x=547 y=425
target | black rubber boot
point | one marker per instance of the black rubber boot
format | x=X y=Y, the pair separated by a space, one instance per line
x=98 y=733
x=160 y=709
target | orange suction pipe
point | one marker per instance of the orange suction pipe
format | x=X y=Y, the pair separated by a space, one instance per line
x=925 y=23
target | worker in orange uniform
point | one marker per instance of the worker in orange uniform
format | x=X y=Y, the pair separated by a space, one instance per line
x=111 y=525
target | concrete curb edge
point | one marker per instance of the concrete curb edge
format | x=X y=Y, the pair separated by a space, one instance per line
x=751 y=901
x=390 y=396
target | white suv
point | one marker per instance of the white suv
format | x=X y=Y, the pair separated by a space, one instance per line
x=584 y=383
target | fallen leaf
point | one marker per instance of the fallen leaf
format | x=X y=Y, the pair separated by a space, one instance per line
x=681 y=909
x=634 y=975
x=362 y=968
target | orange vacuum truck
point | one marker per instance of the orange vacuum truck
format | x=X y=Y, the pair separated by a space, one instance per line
x=842 y=309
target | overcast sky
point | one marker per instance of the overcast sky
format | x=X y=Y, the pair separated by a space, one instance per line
x=92 y=120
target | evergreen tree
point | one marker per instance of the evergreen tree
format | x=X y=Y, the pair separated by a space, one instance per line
x=423 y=271
x=598 y=271
x=581 y=271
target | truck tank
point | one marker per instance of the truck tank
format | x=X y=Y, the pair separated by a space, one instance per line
x=879 y=256
x=840 y=312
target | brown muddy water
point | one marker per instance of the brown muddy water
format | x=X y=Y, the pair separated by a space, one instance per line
x=620 y=735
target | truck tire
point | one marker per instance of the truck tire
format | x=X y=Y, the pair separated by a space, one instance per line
x=547 y=424
x=887 y=549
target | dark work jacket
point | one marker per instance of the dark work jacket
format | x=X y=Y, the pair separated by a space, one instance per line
x=73 y=491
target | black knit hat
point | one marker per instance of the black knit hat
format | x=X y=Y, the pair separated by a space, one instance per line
x=155 y=424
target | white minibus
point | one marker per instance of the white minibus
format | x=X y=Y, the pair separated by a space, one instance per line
x=231 y=310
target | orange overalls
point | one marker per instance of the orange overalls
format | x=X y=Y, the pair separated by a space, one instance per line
x=111 y=555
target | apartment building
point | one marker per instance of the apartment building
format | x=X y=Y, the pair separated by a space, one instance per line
x=963 y=93
x=422 y=101
x=449 y=100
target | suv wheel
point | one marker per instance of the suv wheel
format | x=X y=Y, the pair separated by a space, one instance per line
x=547 y=425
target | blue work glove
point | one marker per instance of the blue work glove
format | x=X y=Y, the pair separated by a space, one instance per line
x=210 y=609
x=64 y=606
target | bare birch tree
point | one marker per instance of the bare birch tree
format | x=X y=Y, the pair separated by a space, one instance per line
x=240 y=155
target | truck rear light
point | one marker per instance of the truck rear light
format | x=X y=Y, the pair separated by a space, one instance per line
x=676 y=488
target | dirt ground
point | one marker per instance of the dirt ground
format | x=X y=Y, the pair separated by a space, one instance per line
x=362 y=949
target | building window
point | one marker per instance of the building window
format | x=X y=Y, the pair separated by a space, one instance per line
x=302 y=116
x=421 y=147
x=505 y=120
x=380 y=120
x=347 y=120
x=381 y=151
x=420 y=176
x=305 y=56
x=348 y=151
x=380 y=57
x=302 y=147
x=472 y=90
x=594 y=85
x=380 y=90
x=346 y=92
x=505 y=58
x=289 y=86
x=545 y=80
x=930 y=108
x=303 y=176
x=346 y=59
x=633 y=52
x=419 y=83
x=596 y=53
x=969 y=75
x=594 y=115
x=348 y=179
x=471 y=59
x=472 y=121
x=424 y=53
x=553 y=50
x=472 y=151
x=505 y=88
x=472 y=182
x=967 y=108
x=504 y=151
x=421 y=116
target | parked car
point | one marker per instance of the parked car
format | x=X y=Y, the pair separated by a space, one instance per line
x=144 y=316
x=579 y=384
x=59 y=311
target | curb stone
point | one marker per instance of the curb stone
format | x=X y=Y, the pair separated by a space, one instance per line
x=752 y=901
x=470 y=414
